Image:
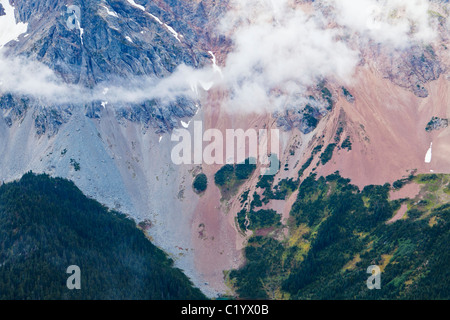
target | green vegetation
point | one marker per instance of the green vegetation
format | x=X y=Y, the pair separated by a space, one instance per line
x=398 y=184
x=263 y=255
x=310 y=116
x=285 y=188
x=243 y=171
x=347 y=144
x=244 y=196
x=263 y=219
x=241 y=220
x=337 y=231
x=347 y=94
x=230 y=177
x=401 y=182
x=326 y=156
x=266 y=183
x=308 y=162
x=47 y=225
x=280 y=192
x=75 y=164
x=224 y=175
x=427 y=178
x=435 y=187
x=339 y=131
x=200 y=183
x=256 y=203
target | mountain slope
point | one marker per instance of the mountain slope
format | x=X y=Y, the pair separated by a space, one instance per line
x=373 y=127
x=336 y=231
x=47 y=225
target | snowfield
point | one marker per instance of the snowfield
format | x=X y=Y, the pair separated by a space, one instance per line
x=9 y=29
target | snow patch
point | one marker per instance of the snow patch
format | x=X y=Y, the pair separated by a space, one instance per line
x=134 y=4
x=206 y=85
x=81 y=33
x=156 y=18
x=428 y=156
x=173 y=32
x=129 y=39
x=77 y=20
x=9 y=29
x=111 y=13
x=185 y=125
x=215 y=66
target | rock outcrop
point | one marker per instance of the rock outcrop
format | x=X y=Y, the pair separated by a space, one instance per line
x=413 y=68
x=115 y=40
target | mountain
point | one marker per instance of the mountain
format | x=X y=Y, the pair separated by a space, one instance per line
x=114 y=147
x=336 y=231
x=48 y=225
x=94 y=92
x=116 y=40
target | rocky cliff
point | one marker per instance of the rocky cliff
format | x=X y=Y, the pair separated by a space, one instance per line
x=370 y=127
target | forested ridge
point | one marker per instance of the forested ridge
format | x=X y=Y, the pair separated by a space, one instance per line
x=47 y=224
x=336 y=231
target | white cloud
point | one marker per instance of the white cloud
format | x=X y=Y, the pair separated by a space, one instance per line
x=280 y=49
x=31 y=78
x=21 y=76
x=395 y=23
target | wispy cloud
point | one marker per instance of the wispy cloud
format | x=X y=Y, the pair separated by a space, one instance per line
x=22 y=76
x=279 y=49
x=395 y=23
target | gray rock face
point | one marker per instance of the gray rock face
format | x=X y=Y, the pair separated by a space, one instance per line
x=436 y=123
x=199 y=16
x=413 y=68
x=48 y=120
x=2 y=10
x=305 y=115
x=102 y=51
x=117 y=41
x=296 y=119
x=13 y=107
x=347 y=95
x=154 y=114
x=305 y=118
